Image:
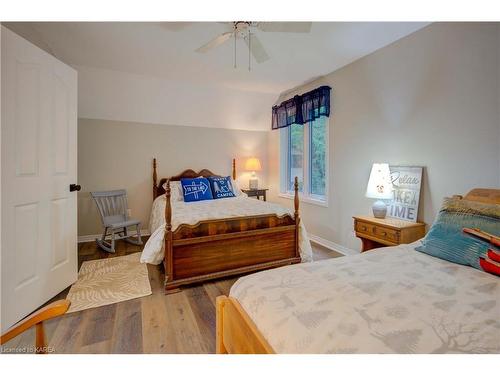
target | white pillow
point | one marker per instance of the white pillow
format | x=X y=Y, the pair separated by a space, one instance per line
x=175 y=191
x=236 y=188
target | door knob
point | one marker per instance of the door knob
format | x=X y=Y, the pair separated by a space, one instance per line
x=74 y=187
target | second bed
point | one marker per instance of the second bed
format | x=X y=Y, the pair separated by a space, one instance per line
x=199 y=241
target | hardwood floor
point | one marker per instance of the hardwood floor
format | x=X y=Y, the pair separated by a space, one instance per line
x=177 y=323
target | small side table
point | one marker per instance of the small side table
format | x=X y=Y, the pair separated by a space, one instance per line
x=375 y=232
x=257 y=193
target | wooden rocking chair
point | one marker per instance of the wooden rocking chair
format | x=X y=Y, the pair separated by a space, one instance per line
x=112 y=206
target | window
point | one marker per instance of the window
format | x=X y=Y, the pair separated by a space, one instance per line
x=317 y=135
x=295 y=156
x=304 y=153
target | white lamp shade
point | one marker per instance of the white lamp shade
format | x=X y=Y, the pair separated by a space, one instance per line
x=380 y=184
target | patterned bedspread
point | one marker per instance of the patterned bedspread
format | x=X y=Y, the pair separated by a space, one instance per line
x=194 y=212
x=391 y=300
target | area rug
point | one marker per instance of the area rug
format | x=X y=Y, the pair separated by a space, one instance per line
x=106 y=281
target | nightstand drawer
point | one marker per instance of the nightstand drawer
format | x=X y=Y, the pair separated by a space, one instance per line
x=387 y=234
x=375 y=232
x=367 y=228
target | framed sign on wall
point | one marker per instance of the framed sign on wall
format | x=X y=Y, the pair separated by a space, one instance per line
x=406 y=182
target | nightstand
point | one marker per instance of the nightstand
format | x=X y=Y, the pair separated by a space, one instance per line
x=375 y=232
x=256 y=193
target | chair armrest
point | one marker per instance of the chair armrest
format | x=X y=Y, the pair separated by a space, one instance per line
x=50 y=311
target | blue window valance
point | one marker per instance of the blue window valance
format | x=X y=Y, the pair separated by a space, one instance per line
x=302 y=108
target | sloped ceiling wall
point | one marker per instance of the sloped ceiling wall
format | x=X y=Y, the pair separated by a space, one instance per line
x=149 y=72
x=111 y=95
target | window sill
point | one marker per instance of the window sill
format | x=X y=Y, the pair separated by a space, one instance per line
x=317 y=202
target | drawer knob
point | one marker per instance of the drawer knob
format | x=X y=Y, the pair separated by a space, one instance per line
x=384 y=234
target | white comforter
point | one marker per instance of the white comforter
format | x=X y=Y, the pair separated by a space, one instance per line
x=194 y=212
x=392 y=300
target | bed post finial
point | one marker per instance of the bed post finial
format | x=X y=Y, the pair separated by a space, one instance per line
x=155 y=185
x=234 y=169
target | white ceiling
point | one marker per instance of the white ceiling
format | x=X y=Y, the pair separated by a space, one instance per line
x=166 y=51
x=155 y=49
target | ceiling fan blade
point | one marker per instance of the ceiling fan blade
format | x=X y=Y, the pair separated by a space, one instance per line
x=215 y=42
x=285 y=27
x=257 y=49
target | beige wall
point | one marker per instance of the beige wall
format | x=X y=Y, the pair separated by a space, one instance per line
x=430 y=99
x=118 y=155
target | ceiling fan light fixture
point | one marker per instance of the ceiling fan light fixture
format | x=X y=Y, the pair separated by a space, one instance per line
x=243 y=29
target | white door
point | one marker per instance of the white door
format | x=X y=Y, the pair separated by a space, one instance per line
x=38 y=148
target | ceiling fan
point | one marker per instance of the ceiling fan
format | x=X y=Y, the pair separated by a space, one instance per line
x=245 y=30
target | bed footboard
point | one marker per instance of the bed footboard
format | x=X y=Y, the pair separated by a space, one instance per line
x=236 y=333
x=220 y=248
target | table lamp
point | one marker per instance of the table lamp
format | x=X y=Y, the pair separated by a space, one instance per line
x=253 y=165
x=379 y=187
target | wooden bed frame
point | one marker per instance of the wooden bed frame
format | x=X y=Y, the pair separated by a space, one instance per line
x=218 y=248
x=236 y=333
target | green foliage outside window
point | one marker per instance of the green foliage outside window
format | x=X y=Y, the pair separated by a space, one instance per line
x=316 y=158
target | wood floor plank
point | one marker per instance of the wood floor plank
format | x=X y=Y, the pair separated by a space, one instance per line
x=100 y=325
x=157 y=336
x=204 y=314
x=127 y=331
x=321 y=253
x=26 y=340
x=67 y=333
x=182 y=322
x=225 y=285
x=177 y=323
x=14 y=343
x=214 y=291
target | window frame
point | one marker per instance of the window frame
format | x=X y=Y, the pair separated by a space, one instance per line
x=285 y=152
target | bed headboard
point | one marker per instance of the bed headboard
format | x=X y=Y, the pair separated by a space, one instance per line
x=188 y=173
x=484 y=195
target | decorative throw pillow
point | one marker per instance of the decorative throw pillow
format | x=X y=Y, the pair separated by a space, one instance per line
x=196 y=189
x=463 y=233
x=175 y=191
x=221 y=187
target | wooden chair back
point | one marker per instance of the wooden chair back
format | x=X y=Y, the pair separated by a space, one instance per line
x=112 y=205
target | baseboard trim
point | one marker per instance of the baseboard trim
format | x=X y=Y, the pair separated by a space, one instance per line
x=92 y=237
x=332 y=245
x=316 y=239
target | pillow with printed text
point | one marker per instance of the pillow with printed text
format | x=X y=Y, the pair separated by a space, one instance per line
x=221 y=187
x=196 y=189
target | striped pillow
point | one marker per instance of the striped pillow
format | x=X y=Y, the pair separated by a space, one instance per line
x=446 y=238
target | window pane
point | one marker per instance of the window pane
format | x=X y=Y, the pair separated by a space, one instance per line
x=296 y=156
x=318 y=156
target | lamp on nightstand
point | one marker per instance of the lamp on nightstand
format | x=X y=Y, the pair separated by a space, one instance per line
x=379 y=187
x=253 y=165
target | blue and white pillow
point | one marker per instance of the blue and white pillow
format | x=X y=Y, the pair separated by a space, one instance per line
x=196 y=189
x=221 y=187
x=447 y=240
